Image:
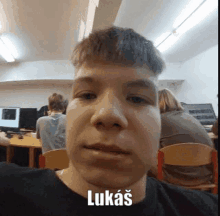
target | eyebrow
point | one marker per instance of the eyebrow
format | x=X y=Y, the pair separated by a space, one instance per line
x=140 y=83
x=88 y=80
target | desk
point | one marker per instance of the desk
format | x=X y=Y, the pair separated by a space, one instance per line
x=27 y=142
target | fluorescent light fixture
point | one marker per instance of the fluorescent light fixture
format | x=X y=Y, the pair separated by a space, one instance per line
x=200 y=14
x=96 y=2
x=196 y=12
x=10 y=46
x=186 y=12
x=160 y=39
x=5 y=53
x=90 y=17
x=81 y=30
x=167 y=43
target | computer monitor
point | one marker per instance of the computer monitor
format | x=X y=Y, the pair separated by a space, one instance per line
x=202 y=112
x=28 y=118
x=9 y=118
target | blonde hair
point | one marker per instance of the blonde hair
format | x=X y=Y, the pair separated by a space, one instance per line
x=168 y=102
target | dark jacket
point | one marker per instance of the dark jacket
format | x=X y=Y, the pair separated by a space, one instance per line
x=180 y=127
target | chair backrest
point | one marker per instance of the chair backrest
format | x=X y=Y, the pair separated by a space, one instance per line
x=55 y=159
x=187 y=154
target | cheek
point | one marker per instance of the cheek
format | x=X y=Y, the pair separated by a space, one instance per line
x=77 y=117
x=148 y=135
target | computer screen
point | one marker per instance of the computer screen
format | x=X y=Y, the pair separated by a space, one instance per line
x=202 y=112
x=9 y=117
x=28 y=118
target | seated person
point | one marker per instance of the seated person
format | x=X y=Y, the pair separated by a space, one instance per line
x=112 y=138
x=4 y=142
x=51 y=129
x=177 y=127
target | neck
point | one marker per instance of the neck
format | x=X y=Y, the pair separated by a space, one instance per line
x=73 y=180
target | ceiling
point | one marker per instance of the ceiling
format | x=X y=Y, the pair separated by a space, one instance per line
x=152 y=18
x=40 y=30
x=48 y=29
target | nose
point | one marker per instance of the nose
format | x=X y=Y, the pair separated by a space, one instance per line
x=109 y=114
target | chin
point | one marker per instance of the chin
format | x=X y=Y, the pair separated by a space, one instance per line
x=108 y=178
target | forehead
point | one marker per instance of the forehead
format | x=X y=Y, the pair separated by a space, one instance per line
x=108 y=73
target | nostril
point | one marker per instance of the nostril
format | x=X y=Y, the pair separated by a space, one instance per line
x=117 y=125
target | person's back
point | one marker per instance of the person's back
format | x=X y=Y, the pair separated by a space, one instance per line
x=178 y=127
x=52 y=130
x=181 y=127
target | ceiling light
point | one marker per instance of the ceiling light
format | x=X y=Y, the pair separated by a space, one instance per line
x=10 y=46
x=96 y=2
x=81 y=30
x=168 y=43
x=90 y=17
x=197 y=15
x=5 y=53
x=186 y=12
x=200 y=14
x=163 y=37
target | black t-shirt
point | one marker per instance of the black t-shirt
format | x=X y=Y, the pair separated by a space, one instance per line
x=25 y=191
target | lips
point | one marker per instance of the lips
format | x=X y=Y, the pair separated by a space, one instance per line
x=113 y=149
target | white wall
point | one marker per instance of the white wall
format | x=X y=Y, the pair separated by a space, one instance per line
x=171 y=71
x=61 y=69
x=34 y=96
x=201 y=79
x=200 y=75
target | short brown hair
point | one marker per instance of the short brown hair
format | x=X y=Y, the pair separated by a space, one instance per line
x=168 y=102
x=56 y=102
x=118 y=46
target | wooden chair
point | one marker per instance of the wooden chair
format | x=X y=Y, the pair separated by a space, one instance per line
x=55 y=159
x=190 y=154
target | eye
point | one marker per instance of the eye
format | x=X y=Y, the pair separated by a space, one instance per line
x=87 y=96
x=137 y=100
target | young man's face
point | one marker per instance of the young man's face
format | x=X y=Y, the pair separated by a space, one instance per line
x=113 y=125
